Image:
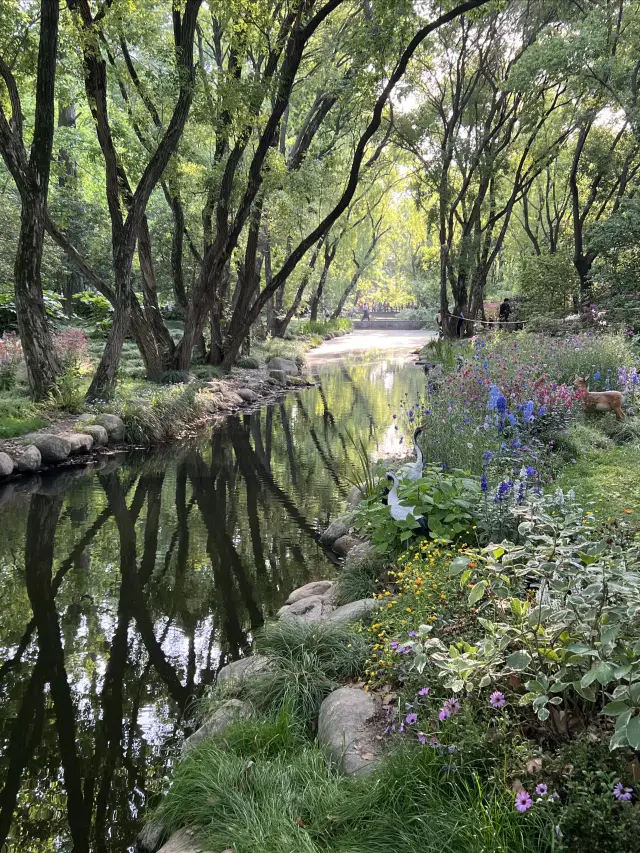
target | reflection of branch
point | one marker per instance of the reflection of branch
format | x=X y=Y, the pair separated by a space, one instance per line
x=284 y=420
x=324 y=455
x=241 y=445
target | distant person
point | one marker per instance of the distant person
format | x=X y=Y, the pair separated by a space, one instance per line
x=504 y=311
x=365 y=313
x=459 y=326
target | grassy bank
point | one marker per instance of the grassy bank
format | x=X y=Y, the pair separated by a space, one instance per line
x=505 y=652
x=153 y=411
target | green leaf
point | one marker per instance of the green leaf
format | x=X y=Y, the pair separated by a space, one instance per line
x=634 y=692
x=633 y=732
x=518 y=660
x=458 y=565
x=498 y=552
x=477 y=592
x=615 y=708
x=589 y=677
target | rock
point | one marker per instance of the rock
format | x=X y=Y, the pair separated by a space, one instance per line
x=353 y=612
x=30 y=460
x=81 y=442
x=232 y=399
x=306 y=610
x=229 y=712
x=309 y=589
x=150 y=837
x=98 y=434
x=344 y=544
x=238 y=670
x=114 y=426
x=279 y=375
x=53 y=448
x=284 y=364
x=248 y=395
x=338 y=528
x=354 y=497
x=183 y=841
x=361 y=551
x=6 y=465
x=347 y=730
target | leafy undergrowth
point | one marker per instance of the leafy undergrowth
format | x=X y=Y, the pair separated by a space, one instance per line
x=262 y=787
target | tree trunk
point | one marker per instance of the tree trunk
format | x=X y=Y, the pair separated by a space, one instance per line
x=329 y=255
x=35 y=335
x=103 y=382
x=150 y=294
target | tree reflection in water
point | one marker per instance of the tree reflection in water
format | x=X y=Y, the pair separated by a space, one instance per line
x=125 y=589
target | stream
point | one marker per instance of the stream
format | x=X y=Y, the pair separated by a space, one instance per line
x=125 y=586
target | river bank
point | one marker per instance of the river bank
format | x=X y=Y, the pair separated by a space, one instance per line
x=474 y=733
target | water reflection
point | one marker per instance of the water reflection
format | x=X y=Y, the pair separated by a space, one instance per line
x=125 y=589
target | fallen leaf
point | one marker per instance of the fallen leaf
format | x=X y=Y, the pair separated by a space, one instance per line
x=534 y=766
x=367 y=756
x=517 y=785
x=300 y=823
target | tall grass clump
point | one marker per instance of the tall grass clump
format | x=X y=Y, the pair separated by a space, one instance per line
x=18 y=416
x=163 y=416
x=308 y=662
x=325 y=328
x=292 y=801
x=359 y=578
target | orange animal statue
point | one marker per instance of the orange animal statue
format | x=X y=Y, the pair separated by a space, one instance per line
x=600 y=401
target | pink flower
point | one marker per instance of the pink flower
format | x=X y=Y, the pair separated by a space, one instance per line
x=523 y=801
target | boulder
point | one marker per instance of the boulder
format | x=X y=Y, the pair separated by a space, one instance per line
x=284 y=364
x=354 y=497
x=183 y=841
x=338 y=528
x=227 y=713
x=6 y=465
x=114 y=426
x=53 y=448
x=98 y=434
x=347 y=730
x=353 y=612
x=279 y=375
x=344 y=544
x=150 y=837
x=244 y=668
x=81 y=442
x=309 y=589
x=30 y=460
x=248 y=395
x=306 y=610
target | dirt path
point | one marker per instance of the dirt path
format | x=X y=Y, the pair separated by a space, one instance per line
x=397 y=343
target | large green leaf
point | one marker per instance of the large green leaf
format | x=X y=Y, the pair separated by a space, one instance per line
x=519 y=660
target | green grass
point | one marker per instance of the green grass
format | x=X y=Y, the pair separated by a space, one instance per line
x=606 y=480
x=18 y=417
x=286 y=797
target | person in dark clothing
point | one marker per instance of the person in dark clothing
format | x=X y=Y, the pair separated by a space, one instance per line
x=459 y=326
x=504 y=311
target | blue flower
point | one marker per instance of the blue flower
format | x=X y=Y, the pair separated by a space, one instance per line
x=501 y=404
x=531 y=472
x=512 y=419
x=542 y=411
x=596 y=375
x=487 y=456
x=484 y=485
x=528 y=411
x=494 y=395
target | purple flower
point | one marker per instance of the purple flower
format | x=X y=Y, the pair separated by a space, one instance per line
x=434 y=742
x=484 y=485
x=623 y=795
x=394 y=645
x=423 y=692
x=422 y=738
x=410 y=719
x=454 y=705
x=412 y=634
x=523 y=801
x=444 y=714
x=531 y=472
x=497 y=700
x=541 y=789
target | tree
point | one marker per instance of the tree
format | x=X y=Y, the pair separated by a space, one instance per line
x=31 y=176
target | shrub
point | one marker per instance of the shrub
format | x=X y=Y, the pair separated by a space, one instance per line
x=71 y=348
x=18 y=416
x=163 y=417
x=94 y=307
x=325 y=328
x=173 y=377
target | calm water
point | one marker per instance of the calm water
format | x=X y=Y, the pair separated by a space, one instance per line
x=123 y=590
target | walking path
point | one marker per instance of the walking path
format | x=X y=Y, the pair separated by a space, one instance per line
x=396 y=343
